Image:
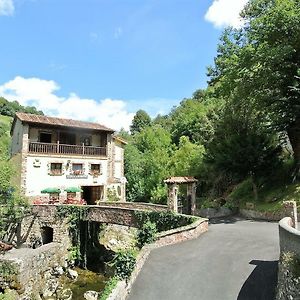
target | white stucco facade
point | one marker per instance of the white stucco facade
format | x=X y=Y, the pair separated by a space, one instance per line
x=39 y=177
x=54 y=163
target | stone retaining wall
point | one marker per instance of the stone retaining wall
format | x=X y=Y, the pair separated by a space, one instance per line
x=165 y=238
x=289 y=264
x=27 y=266
x=260 y=215
x=289 y=237
x=211 y=213
x=263 y=215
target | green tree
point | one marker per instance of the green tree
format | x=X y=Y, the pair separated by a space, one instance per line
x=147 y=164
x=10 y=201
x=259 y=65
x=9 y=108
x=193 y=118
x=140 y=121
x=187 y=159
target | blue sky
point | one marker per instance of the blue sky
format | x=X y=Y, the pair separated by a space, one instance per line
x=102 y=60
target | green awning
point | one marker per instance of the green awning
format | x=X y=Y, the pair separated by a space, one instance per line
x=50 y=190
x=73 y=189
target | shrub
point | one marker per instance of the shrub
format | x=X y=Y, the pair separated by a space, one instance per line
x=112 y=195
x=124 y=262
x=163 y=220
x=110 y=285
x=74 y=253
x=146 y=234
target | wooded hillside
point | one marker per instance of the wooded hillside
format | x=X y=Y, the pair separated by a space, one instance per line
x=243 y=131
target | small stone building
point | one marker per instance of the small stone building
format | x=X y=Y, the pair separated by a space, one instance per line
x=173 y=186
x=67 y=155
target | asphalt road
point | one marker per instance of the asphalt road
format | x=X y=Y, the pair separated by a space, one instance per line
x=235 y=259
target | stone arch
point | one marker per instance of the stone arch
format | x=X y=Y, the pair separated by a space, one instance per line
x=47 y=234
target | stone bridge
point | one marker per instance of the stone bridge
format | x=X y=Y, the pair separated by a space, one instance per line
x=49 y=225
x=121 y=213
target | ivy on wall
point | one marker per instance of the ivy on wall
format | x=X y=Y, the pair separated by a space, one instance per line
x=163 y=220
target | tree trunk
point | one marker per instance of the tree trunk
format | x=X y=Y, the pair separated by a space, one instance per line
x=254 y=188
x=294 y=137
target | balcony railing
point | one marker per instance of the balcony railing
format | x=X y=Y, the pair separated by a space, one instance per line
x=45 y=148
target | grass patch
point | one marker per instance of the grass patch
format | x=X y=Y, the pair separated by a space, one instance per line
x=272 y=191
x=110 y=285
x=6 y=120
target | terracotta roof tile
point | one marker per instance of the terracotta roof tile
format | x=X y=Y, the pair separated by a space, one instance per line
x=119 y=139
x=185 y=179
x=38 y=119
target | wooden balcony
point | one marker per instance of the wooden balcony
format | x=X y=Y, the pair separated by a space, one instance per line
x=80 y=150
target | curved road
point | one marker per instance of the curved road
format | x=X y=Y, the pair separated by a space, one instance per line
x=235 y=259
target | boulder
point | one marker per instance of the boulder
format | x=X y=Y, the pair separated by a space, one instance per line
x=57 y=271
x=64 y=294
x=72 y=274
x=50 y=288
x=91 y=295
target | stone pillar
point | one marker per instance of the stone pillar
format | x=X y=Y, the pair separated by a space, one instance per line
x=172 y=197
x=191 y=196
x=290 y=209
x=25 y=146
x=123 y=192
x=109 y=156
x=193 y=199
x=104 y=193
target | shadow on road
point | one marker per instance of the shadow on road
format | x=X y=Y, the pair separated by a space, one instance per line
x=261 y=284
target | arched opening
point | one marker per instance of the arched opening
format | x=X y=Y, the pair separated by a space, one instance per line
x=47 y=235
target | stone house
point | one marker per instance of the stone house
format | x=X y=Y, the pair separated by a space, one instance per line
x=67 y=155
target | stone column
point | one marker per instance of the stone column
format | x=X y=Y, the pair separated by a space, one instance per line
x=25 y=148
x=290 y=209
x=109 y=157
x=191 y=195
x=104 y=193
x=172 y=197
x=193 y=199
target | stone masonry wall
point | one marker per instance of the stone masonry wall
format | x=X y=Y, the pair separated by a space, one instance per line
x=26 y=266
x=115 y=213
x=29 y=266
x=288 y=286
x=288 y=277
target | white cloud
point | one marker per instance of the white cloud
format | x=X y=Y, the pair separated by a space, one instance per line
x=118 y=32
x=224 y=13
x=41 y=93
x=94 y=37
x=6 y=7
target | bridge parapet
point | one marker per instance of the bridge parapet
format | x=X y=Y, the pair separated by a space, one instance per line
x=120 y=213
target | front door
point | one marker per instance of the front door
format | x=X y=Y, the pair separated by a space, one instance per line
x=92 y=194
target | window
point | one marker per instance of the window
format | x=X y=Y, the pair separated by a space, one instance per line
x=95 y=169
x=45 y=137
x=67 y=138
x=86 y=140
x=56 y=169
x=77 y=169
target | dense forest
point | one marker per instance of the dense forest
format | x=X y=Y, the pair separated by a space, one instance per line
x=241 y=135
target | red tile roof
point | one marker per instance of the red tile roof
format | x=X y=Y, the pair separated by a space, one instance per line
x=38 y=119
x=185 y=179
x=119 y=139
